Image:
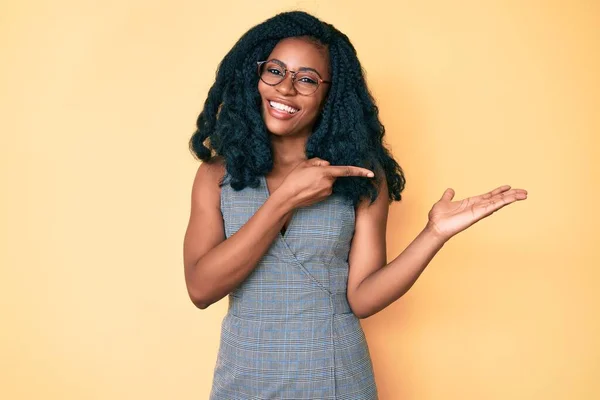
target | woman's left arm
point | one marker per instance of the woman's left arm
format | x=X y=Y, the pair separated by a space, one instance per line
x=373 y=285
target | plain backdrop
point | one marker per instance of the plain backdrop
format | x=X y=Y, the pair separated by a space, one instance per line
x=99 y=99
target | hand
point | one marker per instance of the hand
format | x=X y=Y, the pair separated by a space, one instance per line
x=447 y=217
x=312 y=180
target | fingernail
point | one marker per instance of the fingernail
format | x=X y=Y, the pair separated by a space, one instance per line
x=370 y=174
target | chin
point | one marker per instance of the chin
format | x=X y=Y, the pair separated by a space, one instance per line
x=279 y=130
x=277 y=127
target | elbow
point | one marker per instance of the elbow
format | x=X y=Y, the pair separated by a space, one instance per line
x=197 y=292
x=199 y=299
x=204 y=290
x=201 y=305
x=360 y=312
x=358 y=306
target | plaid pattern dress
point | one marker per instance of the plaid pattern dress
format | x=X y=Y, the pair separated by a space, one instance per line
x=289 y=332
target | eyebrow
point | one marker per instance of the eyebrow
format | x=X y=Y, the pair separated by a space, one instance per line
x=282 y=64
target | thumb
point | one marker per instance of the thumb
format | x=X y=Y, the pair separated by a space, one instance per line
x=448 y=194
x=318 y=162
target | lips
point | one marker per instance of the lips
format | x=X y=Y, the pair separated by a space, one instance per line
x=283 y=106
x=281 y=109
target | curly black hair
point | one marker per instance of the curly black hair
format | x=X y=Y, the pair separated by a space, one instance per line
x=347 y=132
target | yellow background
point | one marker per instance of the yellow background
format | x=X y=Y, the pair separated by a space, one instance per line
x=98 y=100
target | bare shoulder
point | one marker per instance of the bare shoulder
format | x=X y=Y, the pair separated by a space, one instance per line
x=209 y=175
x=216 y=163
x=213 y=168
x=382 y=201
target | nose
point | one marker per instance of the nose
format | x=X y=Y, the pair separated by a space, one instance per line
x=286 y=86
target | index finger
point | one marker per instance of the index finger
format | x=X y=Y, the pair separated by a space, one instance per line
x=349 y=170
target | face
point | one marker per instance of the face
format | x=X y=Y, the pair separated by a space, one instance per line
x=284 y=110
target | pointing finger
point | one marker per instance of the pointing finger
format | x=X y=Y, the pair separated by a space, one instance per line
x=349 y=170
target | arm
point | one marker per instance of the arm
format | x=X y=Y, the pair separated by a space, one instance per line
x=373 y=285
x=214 y=265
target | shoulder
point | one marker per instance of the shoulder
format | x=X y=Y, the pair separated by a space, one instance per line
x=382 y=201
x=209 y=176
x=212 y=170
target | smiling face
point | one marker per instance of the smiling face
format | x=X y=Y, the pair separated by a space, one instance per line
x=284 y=110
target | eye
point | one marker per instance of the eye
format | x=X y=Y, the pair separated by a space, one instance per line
x=307 y=80
x=274 y=71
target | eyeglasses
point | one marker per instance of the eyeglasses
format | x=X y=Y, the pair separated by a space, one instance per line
x=306 y=81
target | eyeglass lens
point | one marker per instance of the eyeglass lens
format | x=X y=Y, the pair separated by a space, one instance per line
x=305 y=82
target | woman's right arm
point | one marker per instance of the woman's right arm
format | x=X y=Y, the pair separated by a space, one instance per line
x=215 y=265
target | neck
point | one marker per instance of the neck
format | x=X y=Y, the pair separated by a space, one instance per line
x=288 y=151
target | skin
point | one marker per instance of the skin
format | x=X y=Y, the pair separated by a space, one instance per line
x=289 y=137
x=214 y=265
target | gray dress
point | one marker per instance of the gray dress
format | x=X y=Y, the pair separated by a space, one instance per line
x=289 y=332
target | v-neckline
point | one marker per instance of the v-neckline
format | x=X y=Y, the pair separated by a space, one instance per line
x=291 y=223
x=286 y=247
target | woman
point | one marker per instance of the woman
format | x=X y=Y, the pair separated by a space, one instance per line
x=289 y=213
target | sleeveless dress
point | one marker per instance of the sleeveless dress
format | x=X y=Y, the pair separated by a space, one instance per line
x=289 y=332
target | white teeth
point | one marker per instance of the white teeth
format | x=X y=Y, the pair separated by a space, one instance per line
x=283 y=107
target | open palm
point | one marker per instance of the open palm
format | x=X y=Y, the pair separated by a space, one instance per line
x=449 y=217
